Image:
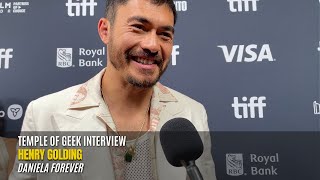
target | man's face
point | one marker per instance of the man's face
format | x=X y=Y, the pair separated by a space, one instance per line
x=141 y=40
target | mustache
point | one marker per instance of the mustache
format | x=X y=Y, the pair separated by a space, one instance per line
x=130 y=54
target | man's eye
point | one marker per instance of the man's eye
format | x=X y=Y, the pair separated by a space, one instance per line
x=138 y=26
x=166 y=35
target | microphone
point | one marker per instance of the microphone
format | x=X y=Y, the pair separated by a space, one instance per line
x=182 y=145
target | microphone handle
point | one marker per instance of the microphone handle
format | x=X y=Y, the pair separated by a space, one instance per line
x=192 y=170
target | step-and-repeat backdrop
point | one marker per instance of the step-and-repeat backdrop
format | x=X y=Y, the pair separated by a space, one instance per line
x=254 y=64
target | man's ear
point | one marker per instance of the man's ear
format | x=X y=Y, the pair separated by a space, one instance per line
x=104 y=30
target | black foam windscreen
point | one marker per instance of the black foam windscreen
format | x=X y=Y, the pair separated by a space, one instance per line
x=180 y=141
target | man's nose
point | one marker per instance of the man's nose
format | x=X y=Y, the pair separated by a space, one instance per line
x=151 y=43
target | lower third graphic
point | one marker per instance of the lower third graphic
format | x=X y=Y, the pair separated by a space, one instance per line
x=234 y=163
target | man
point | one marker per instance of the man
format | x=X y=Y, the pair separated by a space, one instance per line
x=126 y=97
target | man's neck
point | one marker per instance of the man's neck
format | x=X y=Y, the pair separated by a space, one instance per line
x=123 y=96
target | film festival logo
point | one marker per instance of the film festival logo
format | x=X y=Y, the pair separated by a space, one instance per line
x=80 y=7
x=181 y=5
x=175 y=52
x=249 y=53
x=248 y=109
x=14 y=112
x=5 y=57
x=64 y=57
x=13 y=7
x=316 y=107
x=242 y=5
x=234 y=163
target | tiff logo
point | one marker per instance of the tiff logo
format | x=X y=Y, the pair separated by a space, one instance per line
x=316 y=107
x=81 y=7
x=234 y=164
x=238 y=5
x=175 y=52
x=5 y=56
x=254 y=103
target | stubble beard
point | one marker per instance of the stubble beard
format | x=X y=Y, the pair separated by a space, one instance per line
x=121 y=61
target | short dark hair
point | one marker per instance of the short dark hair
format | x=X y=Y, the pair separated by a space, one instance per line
x=111 y=7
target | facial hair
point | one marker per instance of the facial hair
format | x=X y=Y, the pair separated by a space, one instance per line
x=120 y=61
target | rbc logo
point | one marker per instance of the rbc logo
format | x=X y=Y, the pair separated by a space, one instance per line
x=64 y=57
x=254 y=103
x=5 y=56
x=80 y=7
x=237 y=5
x=234 y=163
x=247 y=53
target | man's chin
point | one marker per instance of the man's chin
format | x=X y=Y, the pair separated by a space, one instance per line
x=146 y=83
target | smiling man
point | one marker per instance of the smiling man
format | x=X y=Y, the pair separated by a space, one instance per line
x=139 y=38
x=127 y=97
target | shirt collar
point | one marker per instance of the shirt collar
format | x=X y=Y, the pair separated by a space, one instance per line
x=89 y=94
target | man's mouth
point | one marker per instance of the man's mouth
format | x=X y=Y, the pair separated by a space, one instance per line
x=144 y=61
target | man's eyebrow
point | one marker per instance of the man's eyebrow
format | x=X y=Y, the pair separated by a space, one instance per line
x=139 y=19
x=168 y=28
x=144 y=20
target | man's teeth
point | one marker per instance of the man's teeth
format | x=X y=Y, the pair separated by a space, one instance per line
x=143 y=61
